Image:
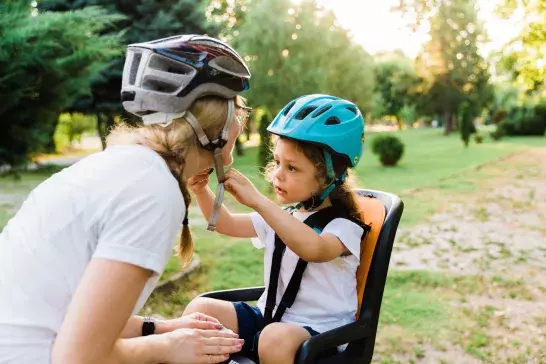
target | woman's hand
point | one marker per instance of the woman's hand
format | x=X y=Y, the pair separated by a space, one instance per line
x=242 y=189
x=200 y=346
x=195 y=320
x=198 y=183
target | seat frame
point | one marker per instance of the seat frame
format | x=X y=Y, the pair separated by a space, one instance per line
x=359 y=335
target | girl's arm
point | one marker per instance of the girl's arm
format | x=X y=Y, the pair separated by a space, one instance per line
x=300 y=238
x=236 y=225
x=99 y=310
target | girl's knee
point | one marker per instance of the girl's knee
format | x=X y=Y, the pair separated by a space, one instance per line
x=279 y=342
x=223 y=311
x=201 y=304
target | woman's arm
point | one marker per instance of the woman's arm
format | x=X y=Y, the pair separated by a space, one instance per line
x=300 y=238
x=99 y=311
x=196 y=320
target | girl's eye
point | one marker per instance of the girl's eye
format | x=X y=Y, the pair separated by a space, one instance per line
x=277 y=162
x=291 y=169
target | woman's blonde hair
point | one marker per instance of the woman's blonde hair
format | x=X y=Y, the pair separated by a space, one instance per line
x=175 y=140
x=343 y=195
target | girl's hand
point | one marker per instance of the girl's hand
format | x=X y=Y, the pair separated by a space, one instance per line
x=195 y=320
x=198 y=183
x=200 y=346
x=242 y=189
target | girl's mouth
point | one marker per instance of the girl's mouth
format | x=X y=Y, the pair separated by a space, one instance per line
x=280 y=191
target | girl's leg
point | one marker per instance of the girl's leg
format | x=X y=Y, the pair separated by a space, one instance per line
x=223 y=311
x=280 y=342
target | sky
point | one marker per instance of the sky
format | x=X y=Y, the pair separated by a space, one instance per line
x=377 y=29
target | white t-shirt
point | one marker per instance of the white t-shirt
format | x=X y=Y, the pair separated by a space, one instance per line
x=121 y=204
x=327 y=297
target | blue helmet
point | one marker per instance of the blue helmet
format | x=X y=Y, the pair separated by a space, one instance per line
x=329 y=121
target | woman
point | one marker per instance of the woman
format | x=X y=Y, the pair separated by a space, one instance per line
x=89 y=244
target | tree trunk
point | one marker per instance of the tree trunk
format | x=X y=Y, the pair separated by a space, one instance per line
x=50 y=146
x=105 y=122
x=449 y=123
x=100 y=130
x=264 y=155
x=400 y=122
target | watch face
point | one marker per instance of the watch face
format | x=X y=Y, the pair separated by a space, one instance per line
x=148 y=326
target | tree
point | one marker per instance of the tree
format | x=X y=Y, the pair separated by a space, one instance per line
x=301 y=50
x=395 y=82
x=467 y=123
x=46 y=60
x=143 y=20
x=523 y=56
x=453 y=70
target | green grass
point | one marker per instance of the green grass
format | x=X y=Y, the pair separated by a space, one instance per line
x=431 y=160
x=407 y=302
x=431 y=156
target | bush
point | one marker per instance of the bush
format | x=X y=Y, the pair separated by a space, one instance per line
x=525 y=121
x=497 y=134
x=71 y=127
x=478 y=138
x=389 y=148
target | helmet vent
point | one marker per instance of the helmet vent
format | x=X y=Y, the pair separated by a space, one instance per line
x=158 y=86
x=145 y=112
x=164 y=64
x=134 y=67
x=303 y=113
x=352 y=109
x=229 y=66
x=332 y=121
x=321 y=111
x=288 y=108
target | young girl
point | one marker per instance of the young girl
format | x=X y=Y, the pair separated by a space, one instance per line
x=319 y=138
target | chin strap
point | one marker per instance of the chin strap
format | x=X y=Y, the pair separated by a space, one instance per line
x=316 y=200
x=215 y=146
x=220 y=188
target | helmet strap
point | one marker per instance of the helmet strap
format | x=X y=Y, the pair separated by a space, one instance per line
x=163 y=119
x=317 y=199
x=216 y=147
x=202 y=137
x=219 y=168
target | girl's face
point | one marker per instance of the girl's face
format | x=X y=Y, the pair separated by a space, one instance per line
x=294 y=177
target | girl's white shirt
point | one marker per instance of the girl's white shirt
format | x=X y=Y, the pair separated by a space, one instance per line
x=327 y=297
x=122 y=204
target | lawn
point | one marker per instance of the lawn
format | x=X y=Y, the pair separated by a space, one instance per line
x=434 y=171
x=432 y=160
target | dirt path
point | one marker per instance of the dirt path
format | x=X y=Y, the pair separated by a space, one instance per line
x=496 y=236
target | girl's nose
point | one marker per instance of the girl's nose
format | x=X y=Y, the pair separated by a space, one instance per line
x=279 y=175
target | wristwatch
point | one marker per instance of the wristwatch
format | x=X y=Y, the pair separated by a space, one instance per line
x=148 y=326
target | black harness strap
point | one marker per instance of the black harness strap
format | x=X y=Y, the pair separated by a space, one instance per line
x=318 y=220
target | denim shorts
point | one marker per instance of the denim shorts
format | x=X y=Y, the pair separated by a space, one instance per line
x=251 y=324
